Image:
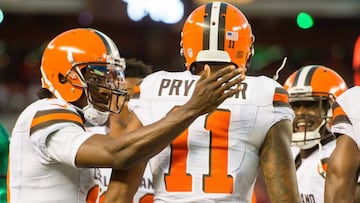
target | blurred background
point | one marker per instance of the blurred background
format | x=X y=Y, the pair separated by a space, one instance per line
x=305 y=31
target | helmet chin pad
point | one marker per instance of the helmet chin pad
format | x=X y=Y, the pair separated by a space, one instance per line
x=94 y=116
x=307 y=139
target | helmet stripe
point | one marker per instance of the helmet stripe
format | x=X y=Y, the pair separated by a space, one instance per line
x=296 y=78
x=214 y=30
x=304 y=76
x=103 y=38
x=213 y=36
x=310 y=75
x=206 y=32
x=221 y=28
x=110 y=46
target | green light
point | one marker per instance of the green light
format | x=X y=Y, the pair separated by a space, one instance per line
x=1 y=16
x=304 y=20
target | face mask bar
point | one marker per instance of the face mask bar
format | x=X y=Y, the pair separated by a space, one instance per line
x=323 y=101
x=104 y=85
x=309 y=137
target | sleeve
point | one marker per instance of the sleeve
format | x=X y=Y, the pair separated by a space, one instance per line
x=272 y=95
x=345 y=129
x=61 y=145
x=282 y=108
x=346 y=115
x=342 y=125
x=284 y=113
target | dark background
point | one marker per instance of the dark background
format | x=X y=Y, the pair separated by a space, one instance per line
x=26 y=29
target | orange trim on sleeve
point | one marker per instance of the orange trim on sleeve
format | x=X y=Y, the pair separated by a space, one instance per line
x=46 y=118
x=338 y=111
x=56 y=116
x=280 y=97
x=339 y=115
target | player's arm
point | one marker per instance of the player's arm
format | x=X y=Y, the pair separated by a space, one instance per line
x=342 y=172
x=139 y=145
x=119 y=122
x=277 y=164
x=124 y=183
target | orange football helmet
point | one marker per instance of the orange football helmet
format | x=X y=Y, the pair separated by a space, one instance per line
x=217 y=32
x=74 y=53
x=314 y=85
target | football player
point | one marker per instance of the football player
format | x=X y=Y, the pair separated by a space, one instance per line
x=218 y=157
x=312 y=91
x=52 y=158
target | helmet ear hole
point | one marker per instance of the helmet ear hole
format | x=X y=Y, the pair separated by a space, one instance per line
x=62 y=78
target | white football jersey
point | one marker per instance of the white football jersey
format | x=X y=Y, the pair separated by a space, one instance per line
x=43 y=146
x=311 y=174
x=217 y=158
x=145 y=193
x=346 y=114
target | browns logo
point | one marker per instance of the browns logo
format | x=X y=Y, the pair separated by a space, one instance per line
x=322 y=167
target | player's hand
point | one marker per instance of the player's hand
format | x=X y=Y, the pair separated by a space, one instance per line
x=211 y=90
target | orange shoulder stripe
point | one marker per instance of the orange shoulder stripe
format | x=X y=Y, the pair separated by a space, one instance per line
x=339 y=115
x=281 y=97
x=49 y=117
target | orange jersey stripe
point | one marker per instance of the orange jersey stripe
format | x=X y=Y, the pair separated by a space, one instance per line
x=49 y=117
x=339 y=116
x=281 y=97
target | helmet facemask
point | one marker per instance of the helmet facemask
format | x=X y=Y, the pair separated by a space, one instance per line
x=312 y=116
x=321 y=86
x=104 y=87
x=83 y=66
